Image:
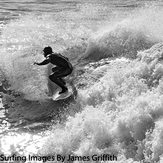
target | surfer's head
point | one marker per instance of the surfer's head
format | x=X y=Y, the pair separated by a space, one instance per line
x=47 y=50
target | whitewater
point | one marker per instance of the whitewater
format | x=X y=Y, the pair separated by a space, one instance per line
x=116 y=49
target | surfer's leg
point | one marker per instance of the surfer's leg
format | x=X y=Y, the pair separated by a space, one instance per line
x=56 y=70
x=56 y=77
x=53 y=77
x=62 y=81
x=63 y=73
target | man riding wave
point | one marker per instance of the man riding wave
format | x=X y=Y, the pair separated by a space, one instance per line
x=61 y=69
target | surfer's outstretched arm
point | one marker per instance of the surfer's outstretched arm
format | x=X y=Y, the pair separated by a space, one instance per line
x=45 y=62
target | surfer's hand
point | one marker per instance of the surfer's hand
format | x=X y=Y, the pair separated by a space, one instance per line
x=35 y=63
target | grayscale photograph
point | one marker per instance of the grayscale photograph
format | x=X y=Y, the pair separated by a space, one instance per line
x=81 y=81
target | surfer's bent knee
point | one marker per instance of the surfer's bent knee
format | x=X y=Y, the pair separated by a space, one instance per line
x=51 y=77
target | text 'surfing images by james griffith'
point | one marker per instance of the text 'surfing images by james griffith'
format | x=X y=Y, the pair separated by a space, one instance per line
x=58 y=158
x=81 y=81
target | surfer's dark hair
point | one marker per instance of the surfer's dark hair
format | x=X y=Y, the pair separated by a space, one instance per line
x=47 y=50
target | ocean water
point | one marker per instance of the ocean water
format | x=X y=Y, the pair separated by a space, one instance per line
x=116 y=49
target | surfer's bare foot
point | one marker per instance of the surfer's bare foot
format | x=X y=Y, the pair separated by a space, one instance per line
x=64 y=90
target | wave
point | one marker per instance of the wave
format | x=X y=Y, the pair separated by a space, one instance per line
x=120 y=115
x=139 y=31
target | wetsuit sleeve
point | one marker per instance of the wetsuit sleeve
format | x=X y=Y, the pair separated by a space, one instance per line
x=45 y=62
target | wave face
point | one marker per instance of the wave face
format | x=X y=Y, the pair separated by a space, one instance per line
x=119 y=105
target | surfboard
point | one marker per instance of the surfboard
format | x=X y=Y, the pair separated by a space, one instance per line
x=56 y=96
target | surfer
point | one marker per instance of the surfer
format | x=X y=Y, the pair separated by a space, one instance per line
x=61 y=69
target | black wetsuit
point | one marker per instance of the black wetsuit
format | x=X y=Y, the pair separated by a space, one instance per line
x=62 y=69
